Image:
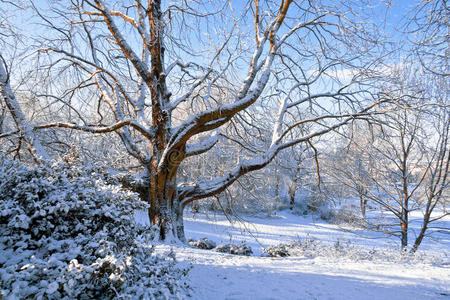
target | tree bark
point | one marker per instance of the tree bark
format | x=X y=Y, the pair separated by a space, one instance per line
x=163 y=168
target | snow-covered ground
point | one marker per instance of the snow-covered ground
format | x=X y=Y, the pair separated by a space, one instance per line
x=223 y=276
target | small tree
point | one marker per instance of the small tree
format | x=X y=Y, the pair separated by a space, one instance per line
x=404 y=155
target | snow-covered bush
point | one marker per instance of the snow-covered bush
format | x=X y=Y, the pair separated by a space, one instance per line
x=347 y=216
x=65 y=233
x=347 y=251
x=312 y=202
x=302 y=247
x=203 y=243
x=277 y=251
x=234 y=249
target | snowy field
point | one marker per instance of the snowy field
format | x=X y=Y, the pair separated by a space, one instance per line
x=224 y=276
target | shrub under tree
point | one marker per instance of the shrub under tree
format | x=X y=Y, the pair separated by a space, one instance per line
x=66 y=233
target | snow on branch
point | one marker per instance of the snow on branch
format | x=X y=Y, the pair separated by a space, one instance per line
x=128 y=19
x=99 y=129
x=99 y=69
x=207 y=118
x=9 y=133
x=139 y=65
x=206 y=188
x=7 y=94
x=201 y=147
x=184 y=97
x=216 y=117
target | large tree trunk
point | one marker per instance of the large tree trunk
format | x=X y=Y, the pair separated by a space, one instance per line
x=165 y=210
x=163 y=167
x=166 y=214
x=179 y=223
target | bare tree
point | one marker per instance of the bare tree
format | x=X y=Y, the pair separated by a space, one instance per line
x=162 y=75
x=353 y=165
x=404 y=156
x=429 y=22
x=436 y=181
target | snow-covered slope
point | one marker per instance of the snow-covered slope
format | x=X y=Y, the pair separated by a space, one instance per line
x=223 y=276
